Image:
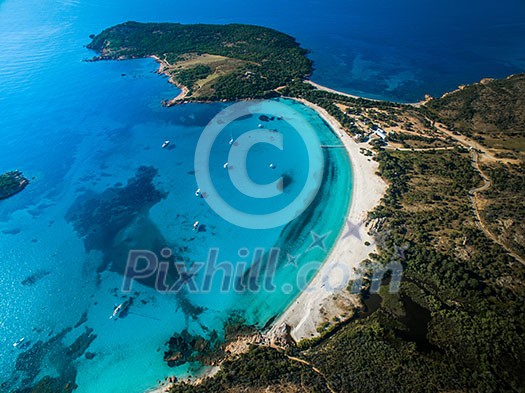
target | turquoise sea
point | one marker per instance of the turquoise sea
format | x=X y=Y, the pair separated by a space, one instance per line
x=89 y=137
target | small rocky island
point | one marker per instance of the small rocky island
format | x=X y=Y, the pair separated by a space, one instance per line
x=12 y=183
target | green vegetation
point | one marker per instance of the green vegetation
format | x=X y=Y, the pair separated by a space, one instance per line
x=416 y=141
x=12 y=183
x=328 y=101
x=454 y=325
x=458 y=321
x=264 y=59
x=262 y=369
x=502 y=205
x=190 y=76
x=491 y=111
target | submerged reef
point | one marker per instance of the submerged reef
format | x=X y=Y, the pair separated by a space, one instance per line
x=99 y=217
x=50 y=354
x=116 y=221
x=35 y=277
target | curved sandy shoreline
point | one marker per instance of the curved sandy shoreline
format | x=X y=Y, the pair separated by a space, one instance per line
x=308 y=310
x=305 y=314
x=329 y=90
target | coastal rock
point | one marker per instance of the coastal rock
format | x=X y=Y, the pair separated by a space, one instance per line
x=12 y=183
x=184 y=347
x=279 y=336
x=242 y=344
x=174 y=360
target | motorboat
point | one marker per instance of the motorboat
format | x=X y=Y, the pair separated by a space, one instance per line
x=116 y=311
x=16 y=344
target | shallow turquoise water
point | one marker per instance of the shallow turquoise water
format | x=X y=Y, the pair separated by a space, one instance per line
x=81 y=130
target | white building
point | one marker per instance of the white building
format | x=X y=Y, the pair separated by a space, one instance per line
x=380 y=133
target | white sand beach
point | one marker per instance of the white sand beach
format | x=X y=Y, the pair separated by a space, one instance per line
x=341 y=93
x=324 y=88
x=312 y=306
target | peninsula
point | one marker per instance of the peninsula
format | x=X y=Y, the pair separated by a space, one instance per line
x=12 y=183
x=210 y=62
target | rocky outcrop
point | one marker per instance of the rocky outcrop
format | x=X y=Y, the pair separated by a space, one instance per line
x=12 y=183
x=185 y=347
x=279 y=336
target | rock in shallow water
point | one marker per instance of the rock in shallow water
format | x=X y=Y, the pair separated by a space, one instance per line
x=12 y=183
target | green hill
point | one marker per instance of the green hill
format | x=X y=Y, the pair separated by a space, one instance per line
x=247 y=61
x=491 y=110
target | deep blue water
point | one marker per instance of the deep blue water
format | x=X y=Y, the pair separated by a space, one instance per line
x=393 y=50
x=81 y=131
